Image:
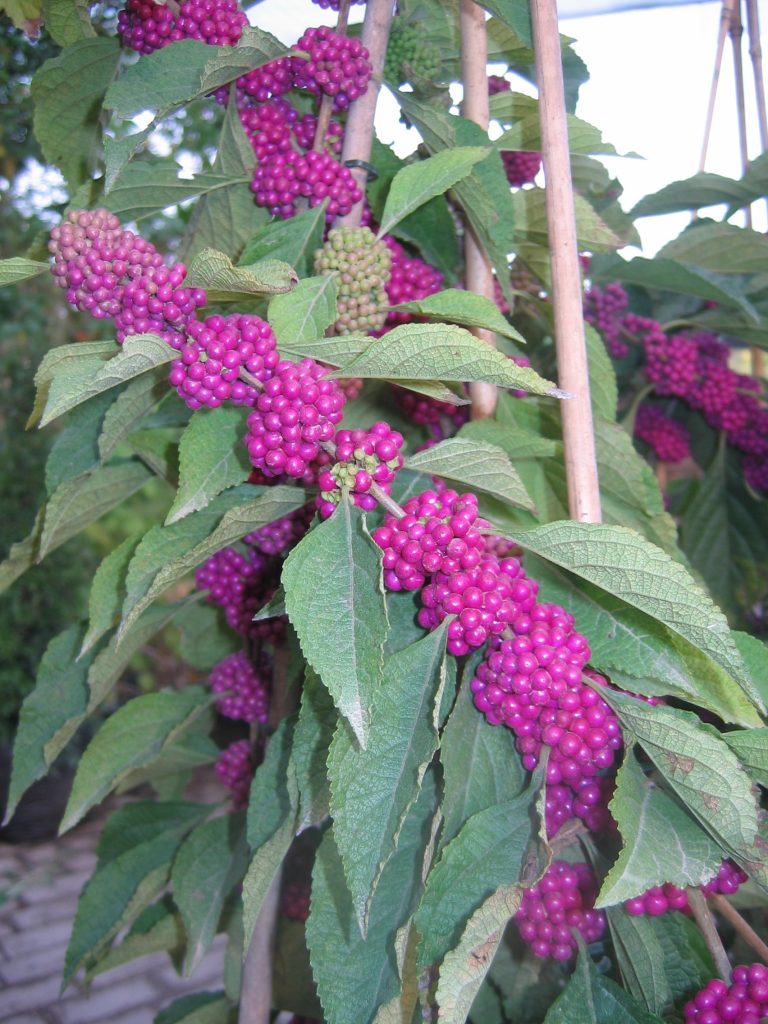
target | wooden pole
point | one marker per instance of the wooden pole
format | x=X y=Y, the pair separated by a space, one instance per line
x=573 y=371
x=736 y=31
x=358 y=135
x=756 y=57
x=722 y=32
x=478 y=272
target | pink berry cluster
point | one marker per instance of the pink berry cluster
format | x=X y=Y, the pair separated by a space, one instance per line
x=520 y=166
x=146 y=26
x=243 y=687
x=563 y=900
x=441 y=418
x=410 y=279
x=662 y=898
x=363 y=458
x=207 y=371
x=604 y=309
x=338 y=66
x=234 y=768
x=292 y=417
x=113 y=273
x=668 y=439
x=282 y=534
x=278 y=184
x=241 y=584
x=744 y=1001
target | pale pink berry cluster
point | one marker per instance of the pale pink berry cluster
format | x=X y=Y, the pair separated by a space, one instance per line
x=363 y=458
x=207 y=371
x=292 y=417
x=234 y=768
x=668 y=439
x=243 y=687
x=146 y=26
x=563 y=900
x=744 y=1001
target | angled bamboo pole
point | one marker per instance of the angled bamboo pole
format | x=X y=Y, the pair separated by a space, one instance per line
x=478 y=272
x=722 y=32
x=572 y=367
x=358 y=134
x=736 y=31
x=756 y=56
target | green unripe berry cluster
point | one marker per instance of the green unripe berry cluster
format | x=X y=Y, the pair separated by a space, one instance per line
x=362 y=267
x=409 y=53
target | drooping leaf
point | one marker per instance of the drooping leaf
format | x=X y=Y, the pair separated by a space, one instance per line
x=723 y=248
x=476 y=464
x=531 y=222
x=17 y=268
x=627 y=566
x=67 y=366
x=293 y=241
x=603 y=388
x=306 y=313
x=50 y=714
x=157 y=929
x=68 y=91
x=751 y=747
x=198 y=1008
x=146 y=187
x=373 y=789
x=77 y=503
x=224 y=282
x=356 y=976
x=312 y=737
x=187 y=70
x=457 y=306
x=703 y=189
x=138 y=354
x=211 y=459
x=591 y=998
x=108 y=591
x=515 y=14
x=134 y=735
x=335 y=602
x=135 y=401
x=661 y=842
x=442 y=352
x=210 y=862
x=75 y=449
x=416 y=183
x=67 y=21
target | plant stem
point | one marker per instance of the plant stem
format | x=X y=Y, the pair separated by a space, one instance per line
x=248 y=378
x=742 y=927
x=573 y=372
x=706 y=924
x=326 y=103
x=478 y=272
x=358 y=136
x=375 y=491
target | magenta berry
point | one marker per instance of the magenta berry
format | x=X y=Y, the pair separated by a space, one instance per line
x=281 y=535
x=241 y=584
x=207 y=371
x=363 y=458
x=727 y=881
x=744 y=1001
x=338 y=66
x=564 y=899
x=244 y=687
x=668 y=438
x=658 y=900
x=520 y=167
x=498 y=84
x=442 y=417
x=235 y=769
x=146 y=26
x=294 y=414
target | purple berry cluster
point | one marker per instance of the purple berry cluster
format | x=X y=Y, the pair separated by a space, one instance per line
x=113 y=273
x=244 y=687
x=744 y=1001
x=520 y=166
x=234 y=768
x=146 y=26
x=497 y=84
x=564 y=899
x=410 y=279
x=439 y=532
x=363 y=458
x=279 y=183
x=292 y=417
x=442 y=418
x=281 y=535
x=241 y=584
x=668 y=439
x=604 y=309
x=338 y=66
x=662 y=898
x=215 y=351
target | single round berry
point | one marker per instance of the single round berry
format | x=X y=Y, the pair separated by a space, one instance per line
x=245 y=687
x=292 y=417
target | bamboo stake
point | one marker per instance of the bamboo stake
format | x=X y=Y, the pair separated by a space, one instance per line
x=573 y=373
x=742 y=927
x=703 y=918
x=256 y=994
x=722 y=32
x=358 y=135
x=756 y=57
x=478 y=271
x=736 y=31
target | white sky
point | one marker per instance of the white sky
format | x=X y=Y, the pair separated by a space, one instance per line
x=650 y=76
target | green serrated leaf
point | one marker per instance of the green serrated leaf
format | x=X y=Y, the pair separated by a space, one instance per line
x=75 y=449
x=133 y=736
x=426 y=352
x=661 y=842
x=66 y=367
x=751 y=748
x=146 y=187
x=137 y=400
x=294 y=241
x=458 y=306
x=531 y=222
x=18 y=269
x=312 y=737
x=334 y=599
x=476 y=464
x=306 y=313
x=67 y=21
x=626 y=565
x=211 y=459
x=139 y=353
x=211 y=861
x=50 y=714
x=703 y=189
x=515 y=14
x=723 y=248
x=68 y=91
x=416 y=183
x=224 y=282
x=108 y=591
x=603 y=387
x=373 y=789
x=156 y=930
x=198 y=1008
